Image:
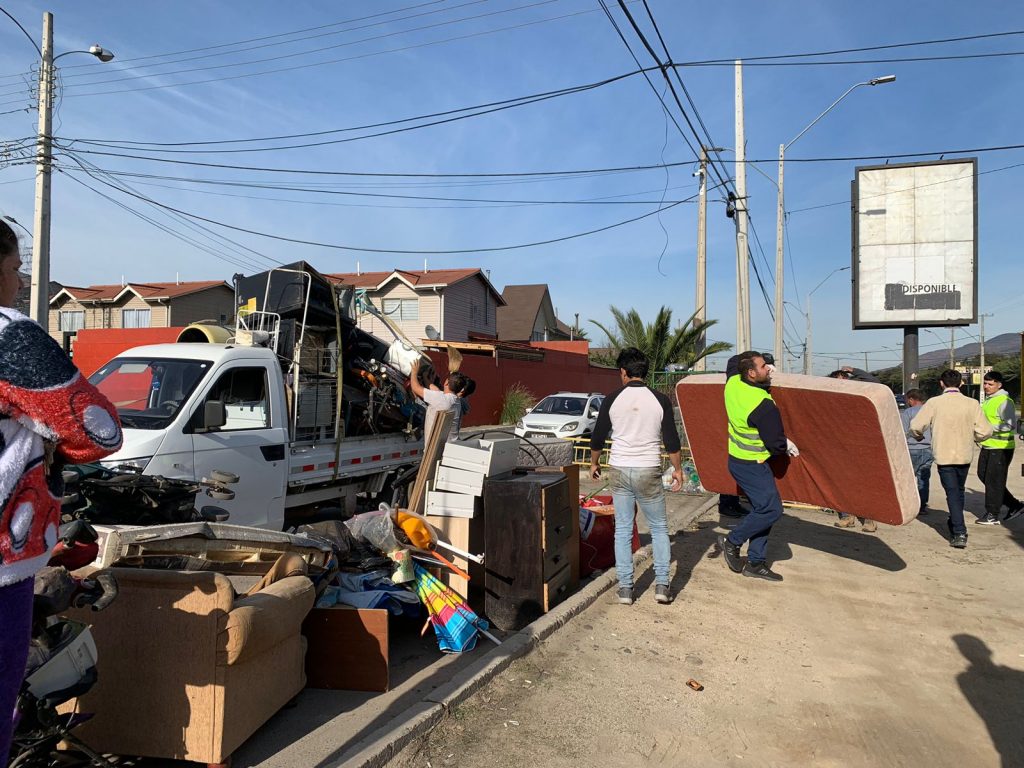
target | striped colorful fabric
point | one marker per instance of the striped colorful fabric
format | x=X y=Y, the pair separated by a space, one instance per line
x=454 y=622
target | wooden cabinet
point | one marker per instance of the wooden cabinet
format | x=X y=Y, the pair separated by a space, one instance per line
x=527 y=564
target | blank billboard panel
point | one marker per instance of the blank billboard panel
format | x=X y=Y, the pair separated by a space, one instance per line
x=915 y=244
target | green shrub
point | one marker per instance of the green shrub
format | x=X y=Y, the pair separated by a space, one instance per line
x=517 y=399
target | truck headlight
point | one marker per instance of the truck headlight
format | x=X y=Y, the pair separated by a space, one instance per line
x=569 y=427
x=139 y=464
x=520 y=425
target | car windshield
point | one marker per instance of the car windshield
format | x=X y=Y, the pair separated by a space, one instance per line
x=561 y=406
x=148 y=393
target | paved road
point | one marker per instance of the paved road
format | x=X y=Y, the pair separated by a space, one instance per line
x=879 y=649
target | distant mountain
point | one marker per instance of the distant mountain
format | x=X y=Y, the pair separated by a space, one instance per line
x=1003 y=344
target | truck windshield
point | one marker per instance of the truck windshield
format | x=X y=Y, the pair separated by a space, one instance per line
x=148 y=393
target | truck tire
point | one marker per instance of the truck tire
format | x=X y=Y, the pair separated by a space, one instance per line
x=220 y=476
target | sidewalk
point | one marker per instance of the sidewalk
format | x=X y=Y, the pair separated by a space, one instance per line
x=878 y=649
x=327 y=728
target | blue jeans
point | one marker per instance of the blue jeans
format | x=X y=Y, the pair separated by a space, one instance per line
x=921 y=460
x=639 y=485
x=758 y=482
x=953 y=478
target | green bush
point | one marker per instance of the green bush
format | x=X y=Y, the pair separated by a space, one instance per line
x=517 y=399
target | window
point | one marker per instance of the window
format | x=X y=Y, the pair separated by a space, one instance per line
x=72 y=321
x=244 y=394
x=135 y=318
x=148 y=393
x=402 y=309
x=537 y=336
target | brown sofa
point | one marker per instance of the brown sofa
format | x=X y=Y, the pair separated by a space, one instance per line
x=187 y=670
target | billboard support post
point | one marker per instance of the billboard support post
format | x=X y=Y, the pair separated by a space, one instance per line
x=910 y=361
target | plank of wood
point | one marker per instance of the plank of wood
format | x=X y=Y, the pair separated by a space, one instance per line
x=432 y=451
x=347 y=649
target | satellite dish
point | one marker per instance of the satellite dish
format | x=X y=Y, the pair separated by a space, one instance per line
x=432 y=333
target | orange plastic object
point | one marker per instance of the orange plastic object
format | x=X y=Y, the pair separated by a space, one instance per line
x=416 y=528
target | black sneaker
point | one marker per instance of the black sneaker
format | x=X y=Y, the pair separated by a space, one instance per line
x=626 y=595
x=761 y=571
x=731 y=553
x=1014 y=514
x=662 y=594
x=922 y=511
x=959 y=541
x=988 y=519
x=732 y=510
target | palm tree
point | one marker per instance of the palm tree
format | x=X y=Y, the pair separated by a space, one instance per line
x=658 y=341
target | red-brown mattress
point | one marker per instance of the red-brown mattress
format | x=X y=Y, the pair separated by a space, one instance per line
x=853 y=453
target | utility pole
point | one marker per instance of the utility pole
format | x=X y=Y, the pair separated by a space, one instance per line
x=808 y=363
x=952 y=347
x=780 y=215
x=702 y=256
x=981 y=357
x=866 y=367
x=742 y=264
x=40 y=287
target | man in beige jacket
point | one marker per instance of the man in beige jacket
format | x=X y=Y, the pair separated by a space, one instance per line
x=957 y=423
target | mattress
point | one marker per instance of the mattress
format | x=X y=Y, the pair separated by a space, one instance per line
x=853 y=452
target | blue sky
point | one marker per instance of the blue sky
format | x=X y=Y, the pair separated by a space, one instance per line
x=514 y=48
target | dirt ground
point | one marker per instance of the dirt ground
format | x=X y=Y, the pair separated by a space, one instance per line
x=887 y=649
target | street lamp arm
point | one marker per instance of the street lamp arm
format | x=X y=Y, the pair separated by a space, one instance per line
x=98 y=51
x=838 y=269
x=831 y=106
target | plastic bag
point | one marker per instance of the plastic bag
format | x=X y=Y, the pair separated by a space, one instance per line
x=375 y=529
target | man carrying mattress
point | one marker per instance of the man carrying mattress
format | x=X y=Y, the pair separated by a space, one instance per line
x=755 y=435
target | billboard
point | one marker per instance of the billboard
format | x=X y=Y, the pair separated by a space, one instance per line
x=915 y=247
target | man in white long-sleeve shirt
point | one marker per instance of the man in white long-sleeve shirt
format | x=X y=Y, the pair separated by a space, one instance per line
x=639 y=420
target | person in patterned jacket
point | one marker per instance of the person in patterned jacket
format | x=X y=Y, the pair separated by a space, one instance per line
x=49 y=415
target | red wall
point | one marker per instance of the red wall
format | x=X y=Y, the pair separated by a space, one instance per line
x=559 y=371
x=94 y=347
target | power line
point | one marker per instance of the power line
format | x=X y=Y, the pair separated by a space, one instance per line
x=907 y=189
x=448 y=116
x=370 y=54
x=336 y=246
x=848 y=62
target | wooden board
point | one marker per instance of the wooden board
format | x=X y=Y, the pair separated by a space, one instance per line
x=431 y=455
x=347 y=649
x=466 y=534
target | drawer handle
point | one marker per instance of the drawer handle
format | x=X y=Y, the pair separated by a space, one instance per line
x=556 y=559
x=562 y=588
x=559 y=528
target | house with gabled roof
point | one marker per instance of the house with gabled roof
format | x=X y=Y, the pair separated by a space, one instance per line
x=139 y=305
x=460 y=304
x=529 y=315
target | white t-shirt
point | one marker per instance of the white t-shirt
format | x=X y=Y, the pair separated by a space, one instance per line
x=437 y=402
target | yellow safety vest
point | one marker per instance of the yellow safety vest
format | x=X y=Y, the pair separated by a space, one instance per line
x=740 y=401
x=999 y=439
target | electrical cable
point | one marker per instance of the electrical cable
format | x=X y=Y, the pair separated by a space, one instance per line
x=370 y=54
x=474 y=111
x=340 y=247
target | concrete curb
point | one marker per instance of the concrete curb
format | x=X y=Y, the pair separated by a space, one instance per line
x=384 y=743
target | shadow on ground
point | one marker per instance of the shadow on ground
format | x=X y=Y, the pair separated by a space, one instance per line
x=997 y=694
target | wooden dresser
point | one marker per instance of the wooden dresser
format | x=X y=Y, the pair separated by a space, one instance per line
x=527 y=563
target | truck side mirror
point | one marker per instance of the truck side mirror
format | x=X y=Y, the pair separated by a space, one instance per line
x=215 y=416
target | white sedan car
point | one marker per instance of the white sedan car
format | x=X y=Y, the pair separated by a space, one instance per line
x=567 y=414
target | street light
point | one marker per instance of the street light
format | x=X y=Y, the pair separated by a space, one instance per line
x=781 y=213
x=39 y=306
x=808 y=361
